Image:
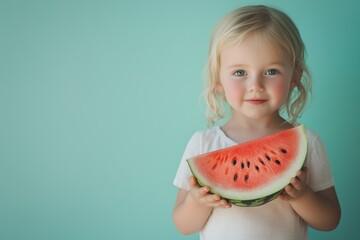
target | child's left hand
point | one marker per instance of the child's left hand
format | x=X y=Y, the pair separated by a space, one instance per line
x=296 y=187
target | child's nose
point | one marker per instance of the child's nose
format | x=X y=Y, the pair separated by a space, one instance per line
x=256 y=83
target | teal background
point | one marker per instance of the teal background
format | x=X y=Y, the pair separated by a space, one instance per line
x=99 y=98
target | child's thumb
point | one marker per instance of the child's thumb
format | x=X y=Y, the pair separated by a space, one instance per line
x=193 y=182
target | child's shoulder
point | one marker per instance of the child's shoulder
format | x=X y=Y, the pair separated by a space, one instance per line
x=311 y=133
x=313 y=138
x=210 y=140
x=207 y=134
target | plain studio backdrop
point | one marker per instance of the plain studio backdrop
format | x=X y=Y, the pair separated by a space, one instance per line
x=99 y=98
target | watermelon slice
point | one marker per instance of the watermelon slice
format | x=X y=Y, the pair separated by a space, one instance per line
x=255 y=172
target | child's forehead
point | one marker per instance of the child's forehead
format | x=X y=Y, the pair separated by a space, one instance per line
x=253 y=40
x=253 y=50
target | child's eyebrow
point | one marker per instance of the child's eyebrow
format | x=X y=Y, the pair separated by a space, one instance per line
x=278 y=63
x=237 y=66
x=282 y=64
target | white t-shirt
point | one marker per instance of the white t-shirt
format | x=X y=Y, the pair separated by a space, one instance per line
x=275 y=220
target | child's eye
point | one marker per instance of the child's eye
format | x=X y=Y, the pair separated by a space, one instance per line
x=272 y=72
x=239 y=73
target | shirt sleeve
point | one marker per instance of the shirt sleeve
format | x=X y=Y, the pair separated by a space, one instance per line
x=319 y=170
x=183 y=173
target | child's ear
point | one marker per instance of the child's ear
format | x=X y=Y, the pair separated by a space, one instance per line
x=293 y=85
x=219 y=88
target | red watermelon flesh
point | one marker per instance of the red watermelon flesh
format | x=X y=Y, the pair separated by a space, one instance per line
x=254 y=171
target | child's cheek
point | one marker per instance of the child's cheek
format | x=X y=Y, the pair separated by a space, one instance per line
x=281 y=90
x=234 y=89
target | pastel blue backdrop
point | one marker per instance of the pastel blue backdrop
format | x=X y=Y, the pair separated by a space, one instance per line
x=99 y=98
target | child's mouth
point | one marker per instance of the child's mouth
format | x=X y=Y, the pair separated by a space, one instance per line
x=256 y=101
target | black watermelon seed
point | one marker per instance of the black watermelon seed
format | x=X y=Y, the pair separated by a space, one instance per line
x=267 y=157
x=234 y=162
x=242 y=165
x=257 y=168
x=277 y=162
x=248 y=164
x=246 y=178
x=235 y=177
x=283 y=150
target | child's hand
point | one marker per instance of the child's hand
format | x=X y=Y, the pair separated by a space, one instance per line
x=204 y=197
x=296 y=187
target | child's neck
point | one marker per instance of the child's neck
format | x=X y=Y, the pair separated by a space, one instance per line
x=242 y=130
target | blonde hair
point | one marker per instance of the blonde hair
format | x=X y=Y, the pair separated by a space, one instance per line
x=273 y=25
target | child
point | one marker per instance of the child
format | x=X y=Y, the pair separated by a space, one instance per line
x=256 y=65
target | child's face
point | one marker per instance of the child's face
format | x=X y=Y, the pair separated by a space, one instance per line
x=255 y=76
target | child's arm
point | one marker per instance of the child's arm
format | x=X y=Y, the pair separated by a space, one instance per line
x=321 y=210
x=193 y=208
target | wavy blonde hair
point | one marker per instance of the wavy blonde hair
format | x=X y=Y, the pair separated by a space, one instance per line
x=273 y=25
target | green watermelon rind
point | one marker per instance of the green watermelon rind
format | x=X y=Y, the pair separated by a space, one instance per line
x=255 y=202
x=263 y=199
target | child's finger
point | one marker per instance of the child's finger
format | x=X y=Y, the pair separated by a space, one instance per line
x=209 y=198
x=290 y=190
x=196 y=189
x=225 y=204
x=284 y=196
x=202 y=194
x=301 y=175
x=296 y=183
x=204 y=190
x=193 y=182
x=219 y=205
x=216 y=201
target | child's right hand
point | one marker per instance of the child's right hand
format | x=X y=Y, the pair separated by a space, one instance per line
x=203 y=196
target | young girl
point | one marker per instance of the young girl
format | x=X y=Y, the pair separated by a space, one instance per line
x=256 y=65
